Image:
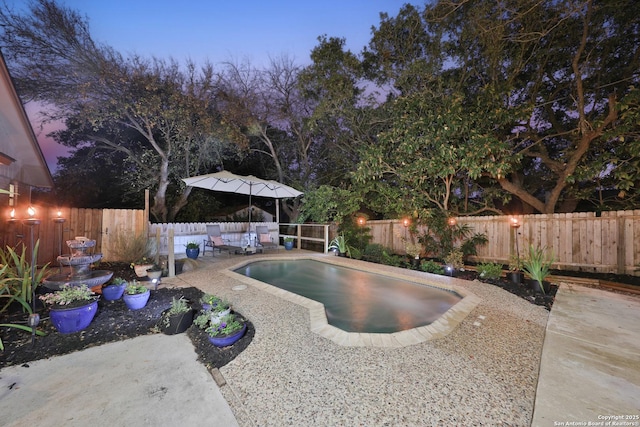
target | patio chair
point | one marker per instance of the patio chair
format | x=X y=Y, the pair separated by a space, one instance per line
x=214 y=241
x=265 y=241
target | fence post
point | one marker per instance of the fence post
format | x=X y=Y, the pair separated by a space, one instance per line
x=171 y=254
x=157 y=257
x=326 y=238
x=620 y=253
x=391 y=237
x=299 y=234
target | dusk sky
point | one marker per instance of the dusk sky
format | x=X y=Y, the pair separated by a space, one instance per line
x=223 y=30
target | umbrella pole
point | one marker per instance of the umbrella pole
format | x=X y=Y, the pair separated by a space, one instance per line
x=250 y=209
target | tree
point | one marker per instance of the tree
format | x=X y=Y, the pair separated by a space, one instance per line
x=431 y=154
x=163 y=118
x=83 y=174
x=267 y=110
x=344 y=115
x=552 y=74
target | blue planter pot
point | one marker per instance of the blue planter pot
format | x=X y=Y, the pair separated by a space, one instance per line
x=229 y=339
x=193 y=253
x=136 y=301
x=288 y=245
x=113 y=292
x=70 y=320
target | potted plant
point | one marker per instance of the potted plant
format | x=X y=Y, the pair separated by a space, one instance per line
x=114 y=289
x=193 y=250
x=537 y=265
x=177 y=318
x=136 y=295
x=209 y=300
x=220 y=309
x=288 y=243
x=224 y=331
x=515 y=269
x=141 y=266
x=339 y=244
x=72 y=308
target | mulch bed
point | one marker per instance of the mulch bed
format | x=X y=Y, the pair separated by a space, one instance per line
x=113 y=322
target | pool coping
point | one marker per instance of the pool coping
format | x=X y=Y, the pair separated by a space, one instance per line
x=319 y=324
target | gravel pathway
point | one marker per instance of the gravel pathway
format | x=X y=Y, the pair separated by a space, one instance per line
x=484 y=373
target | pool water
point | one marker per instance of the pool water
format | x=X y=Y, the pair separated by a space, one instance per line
x=356 y=300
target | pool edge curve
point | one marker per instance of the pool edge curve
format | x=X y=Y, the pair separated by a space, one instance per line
x=319 y=324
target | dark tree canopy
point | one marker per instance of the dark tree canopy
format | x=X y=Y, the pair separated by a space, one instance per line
x=462 y=106
x=162 y=117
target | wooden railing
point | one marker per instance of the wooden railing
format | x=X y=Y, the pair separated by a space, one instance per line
x=314 y=234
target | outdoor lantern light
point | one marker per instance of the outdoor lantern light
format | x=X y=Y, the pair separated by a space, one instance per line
x=452 y=221
x=12 y=215
x=59 y=220
x=361 y=221
x=515 y=224
x=406 y=222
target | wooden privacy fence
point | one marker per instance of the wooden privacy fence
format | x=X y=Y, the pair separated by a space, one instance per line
x=582 y=241
x=53 y=229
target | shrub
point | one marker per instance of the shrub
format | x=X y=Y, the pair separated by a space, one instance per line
x=15 y=283
x=392 y=260
x=440 y=238
x=489 y=270
x=430 y=266
x=129 y=247
x=373 y=252
x=454 y=259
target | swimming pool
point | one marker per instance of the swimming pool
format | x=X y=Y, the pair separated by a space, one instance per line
x=355 y=300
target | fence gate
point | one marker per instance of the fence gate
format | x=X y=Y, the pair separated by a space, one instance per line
x=129 y=221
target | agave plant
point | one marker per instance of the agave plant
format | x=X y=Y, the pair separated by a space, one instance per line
x=537 y=264
x=339 y=243
x=6 y=292
x=16 y=275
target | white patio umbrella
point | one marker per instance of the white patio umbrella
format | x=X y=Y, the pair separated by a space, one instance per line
x=231 y=183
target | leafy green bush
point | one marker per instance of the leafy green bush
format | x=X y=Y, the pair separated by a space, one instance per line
x=355 y=253
x=441 y=238
x=430 y=266
x=489 y=270
x=391 y=259
x=373 y=252
x=454 y=259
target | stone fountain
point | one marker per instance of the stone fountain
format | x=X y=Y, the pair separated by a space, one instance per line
x=79 y=263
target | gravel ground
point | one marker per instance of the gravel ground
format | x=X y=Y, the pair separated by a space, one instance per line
x=484 y=373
